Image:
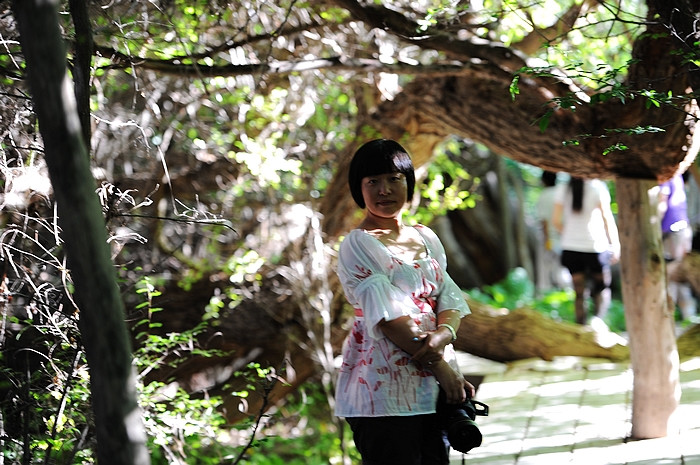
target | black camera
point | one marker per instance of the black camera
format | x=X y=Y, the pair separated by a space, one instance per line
x=457 y=420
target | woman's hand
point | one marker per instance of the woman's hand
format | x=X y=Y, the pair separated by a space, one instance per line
x=469 y=388
x=432 y=346
x=457 y=389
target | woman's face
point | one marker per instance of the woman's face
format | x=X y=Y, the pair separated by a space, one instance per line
x=385 y=194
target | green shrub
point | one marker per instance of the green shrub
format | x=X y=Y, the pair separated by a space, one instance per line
x=47 y=416
x=517 y=291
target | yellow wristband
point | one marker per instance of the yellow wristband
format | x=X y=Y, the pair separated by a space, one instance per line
x=452 y=330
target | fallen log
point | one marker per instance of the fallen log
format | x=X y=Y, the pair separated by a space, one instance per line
x=507 y=336
x=686 y=270
x=689 y=343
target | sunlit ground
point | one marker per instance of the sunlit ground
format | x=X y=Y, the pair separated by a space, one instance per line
x=575 y=411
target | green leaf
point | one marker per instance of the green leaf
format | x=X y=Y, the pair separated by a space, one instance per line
x=513 y=88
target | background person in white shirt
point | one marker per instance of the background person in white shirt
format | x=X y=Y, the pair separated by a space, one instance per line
x=589 y=242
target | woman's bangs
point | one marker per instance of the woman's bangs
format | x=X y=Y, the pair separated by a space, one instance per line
x=390 y=163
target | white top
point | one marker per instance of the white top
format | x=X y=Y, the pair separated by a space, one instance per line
x=376 y=377
x=584 y=231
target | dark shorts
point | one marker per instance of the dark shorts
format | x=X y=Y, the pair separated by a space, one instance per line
x=413 y=440
x=585 y=262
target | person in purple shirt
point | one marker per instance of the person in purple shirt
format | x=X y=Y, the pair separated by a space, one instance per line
x=677 y=240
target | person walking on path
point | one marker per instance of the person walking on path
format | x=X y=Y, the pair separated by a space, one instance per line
x=677 y=241
x=550 y=273
x=589 y=242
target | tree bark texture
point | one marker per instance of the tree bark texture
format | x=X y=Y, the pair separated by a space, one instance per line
x=120 y=435
x=81 y=66
x=649 y=318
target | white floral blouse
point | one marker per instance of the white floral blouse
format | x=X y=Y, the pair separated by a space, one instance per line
x=376 y=377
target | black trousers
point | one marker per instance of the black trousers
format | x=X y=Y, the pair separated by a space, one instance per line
x=412 y=440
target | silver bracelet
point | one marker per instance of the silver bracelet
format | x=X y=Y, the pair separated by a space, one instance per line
x=452 y=330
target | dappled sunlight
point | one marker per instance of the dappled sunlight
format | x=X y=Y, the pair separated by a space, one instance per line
x=687 y=418
x=615 y=383
x=691 y=364
x=579 y=413
x=694 y=384
x=560 y=442
x=649 y=451
x=609 y=339
x=501 y=389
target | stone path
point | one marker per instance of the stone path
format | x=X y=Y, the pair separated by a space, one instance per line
x=574 y=411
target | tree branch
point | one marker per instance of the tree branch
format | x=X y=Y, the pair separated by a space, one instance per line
x=380 y=17
x=336 y=63
x=540 y=36
x=682 y=25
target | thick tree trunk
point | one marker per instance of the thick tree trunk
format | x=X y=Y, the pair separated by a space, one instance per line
x=649 y=317
x=120 y=436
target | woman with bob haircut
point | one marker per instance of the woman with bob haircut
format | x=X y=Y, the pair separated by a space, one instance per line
x=407 y=312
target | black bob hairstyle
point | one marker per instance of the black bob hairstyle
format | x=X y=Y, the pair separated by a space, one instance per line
x=379 y=156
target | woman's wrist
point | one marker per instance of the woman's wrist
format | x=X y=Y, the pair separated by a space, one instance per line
x=451 y=329
x=437 y=367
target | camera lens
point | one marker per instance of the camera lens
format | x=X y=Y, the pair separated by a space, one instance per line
x=458 y=422
x=463 y=434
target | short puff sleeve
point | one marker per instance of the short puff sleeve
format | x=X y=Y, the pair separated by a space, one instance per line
x=365 y=270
